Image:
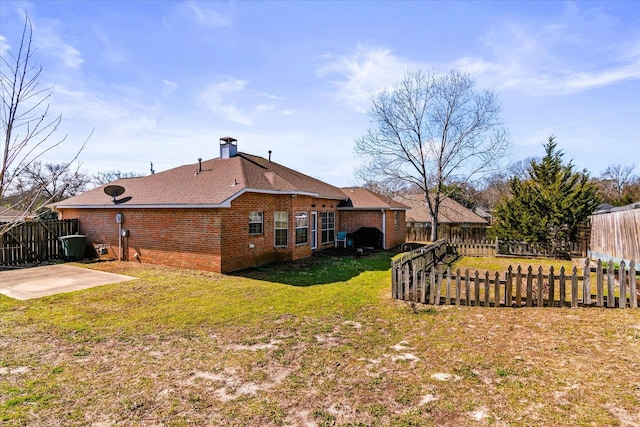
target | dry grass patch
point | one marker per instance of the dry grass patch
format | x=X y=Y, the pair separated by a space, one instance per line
x=179 y=347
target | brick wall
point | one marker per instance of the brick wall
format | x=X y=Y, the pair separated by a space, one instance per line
x=396 y=228
x=188 y=238
x=395 y=232
x=207 y=239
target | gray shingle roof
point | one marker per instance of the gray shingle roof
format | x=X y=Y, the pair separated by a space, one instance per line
x=361 y=198
x=219 y=182
x=450 y=211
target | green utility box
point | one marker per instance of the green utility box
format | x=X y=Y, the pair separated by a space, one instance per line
x=74 y=246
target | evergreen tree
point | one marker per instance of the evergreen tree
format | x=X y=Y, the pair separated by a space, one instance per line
x=547 y=204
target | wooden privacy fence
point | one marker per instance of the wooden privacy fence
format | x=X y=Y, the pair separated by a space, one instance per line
x=424 y=279
x=511 y=248
x=615 y=234
x=35 y=241
x=448 y=232
x=477 y=248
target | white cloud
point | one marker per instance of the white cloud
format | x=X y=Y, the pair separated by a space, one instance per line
x=564 y=56
x=4 y=46
x=206 y=15
x=49 y=41
x=110 y=53
x=169 y=83
x=231 y=99
x=70 y=56
x=560 y=56
x=218 y=97
x=363 y=72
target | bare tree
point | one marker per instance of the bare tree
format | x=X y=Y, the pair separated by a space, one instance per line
x=616 y=182
x=105 y=177
x=432 y=129
x=28 y=126
x=48 y=183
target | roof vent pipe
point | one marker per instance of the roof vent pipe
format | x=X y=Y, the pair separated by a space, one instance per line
x=199 y=164
x=269 y=155
x=228 y=147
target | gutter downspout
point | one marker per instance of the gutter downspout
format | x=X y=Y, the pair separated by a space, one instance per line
x=384 y=229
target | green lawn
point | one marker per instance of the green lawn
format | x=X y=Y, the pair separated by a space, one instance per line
x=316 y=342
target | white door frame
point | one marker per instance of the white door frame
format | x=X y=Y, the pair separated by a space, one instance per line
x=314 y=230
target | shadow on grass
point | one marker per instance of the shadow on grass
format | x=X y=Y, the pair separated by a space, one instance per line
x=328 y=268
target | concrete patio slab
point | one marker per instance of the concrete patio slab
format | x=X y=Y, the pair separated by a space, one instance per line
x=36 y=282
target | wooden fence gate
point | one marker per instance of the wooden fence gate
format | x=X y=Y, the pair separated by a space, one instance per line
x=35 y=241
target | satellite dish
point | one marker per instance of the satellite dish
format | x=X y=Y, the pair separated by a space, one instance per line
x=114 y=191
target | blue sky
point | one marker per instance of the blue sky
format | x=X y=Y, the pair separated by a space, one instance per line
x=162 y=81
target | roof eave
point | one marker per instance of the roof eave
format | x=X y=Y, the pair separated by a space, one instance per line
x=371 y=208
x=224 y=204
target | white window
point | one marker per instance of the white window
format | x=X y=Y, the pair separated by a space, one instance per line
x=302 y=228
x=255 y=222
x=281 y=228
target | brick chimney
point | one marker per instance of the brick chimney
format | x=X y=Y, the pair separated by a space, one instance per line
x=228 y=147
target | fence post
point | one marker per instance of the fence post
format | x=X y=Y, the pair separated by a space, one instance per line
x=574 y=287
x=508 y=287
x=519 y=287
x=530 y=287
x=447 y=298
x=563 y=287
x=467 y=290
x=487 y=302
x=623 y=286
x=434 y=285
x=552 y=287
x=458 y=289
x=586 y=283
x=611 y=294
x=423 y=284
x=439 y=287
x=599 y=285
x=633 y=290
x=406 y=280
x=540 y=287
x=476 y=287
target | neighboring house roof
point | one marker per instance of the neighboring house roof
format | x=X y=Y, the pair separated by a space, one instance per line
x=361 y=198
x=450 y=211
x=213 y=183
x=605 y=208
x=482 y=213
x=8 y=215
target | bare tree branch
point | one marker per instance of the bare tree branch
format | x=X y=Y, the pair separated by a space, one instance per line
x=28 y=132
x=430 y=130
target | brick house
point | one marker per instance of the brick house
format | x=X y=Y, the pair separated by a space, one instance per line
x=222 y=215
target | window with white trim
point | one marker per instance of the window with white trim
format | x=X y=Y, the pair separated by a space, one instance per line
x=255 y=222
x=302 y=228
x=281 y=228
x=328 y=226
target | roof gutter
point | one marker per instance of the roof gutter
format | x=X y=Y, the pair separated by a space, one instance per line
x=151 y=206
